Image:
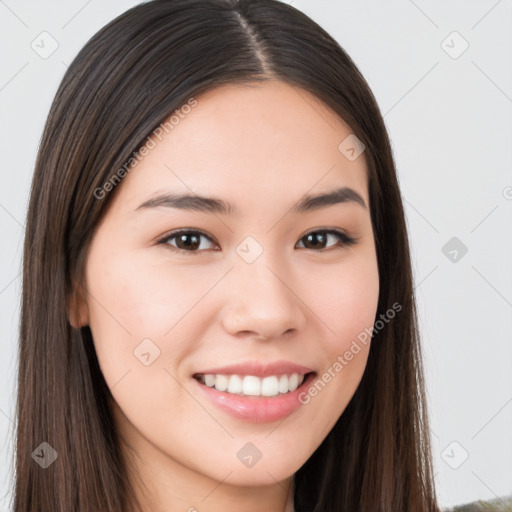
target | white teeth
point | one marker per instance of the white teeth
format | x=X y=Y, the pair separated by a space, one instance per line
x=283 y=384
x=209 y=380
x=221 y=382
x=269 y=386
x=235 y=384
x=293 y=382
x=253 y=386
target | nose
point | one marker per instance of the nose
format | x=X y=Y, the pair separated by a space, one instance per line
x=262 y=302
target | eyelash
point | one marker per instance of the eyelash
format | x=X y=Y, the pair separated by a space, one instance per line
x=344 y=240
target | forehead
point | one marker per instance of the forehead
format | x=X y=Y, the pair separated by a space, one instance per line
x=248 y=142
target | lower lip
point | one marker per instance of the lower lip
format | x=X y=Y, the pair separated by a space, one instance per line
x=257 y=409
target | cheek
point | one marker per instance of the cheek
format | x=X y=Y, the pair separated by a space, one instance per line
x=133 y=303
x=133 y=300
x=346 y=301
x=144 y=299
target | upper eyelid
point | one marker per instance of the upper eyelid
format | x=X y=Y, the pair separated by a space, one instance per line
x=177 y=232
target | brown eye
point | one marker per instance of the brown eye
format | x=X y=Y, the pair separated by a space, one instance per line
x=191 y=241
x=316 y=240
x=185 y=240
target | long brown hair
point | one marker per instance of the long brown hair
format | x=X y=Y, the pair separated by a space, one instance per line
x=130 y=77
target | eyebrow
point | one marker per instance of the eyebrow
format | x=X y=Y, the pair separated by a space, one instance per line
x=214 y=205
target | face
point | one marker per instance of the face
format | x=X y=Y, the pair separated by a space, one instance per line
x=204 y=335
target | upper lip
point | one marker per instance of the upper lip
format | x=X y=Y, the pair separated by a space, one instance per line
x=258 y=369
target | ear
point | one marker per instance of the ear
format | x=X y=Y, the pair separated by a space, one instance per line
x=78 y=311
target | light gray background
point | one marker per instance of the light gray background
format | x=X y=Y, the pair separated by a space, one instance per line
x=449 y=120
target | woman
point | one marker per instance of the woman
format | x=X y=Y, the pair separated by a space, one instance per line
x=218 y=310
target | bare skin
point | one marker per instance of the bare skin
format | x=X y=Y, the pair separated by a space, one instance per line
x=261 y=148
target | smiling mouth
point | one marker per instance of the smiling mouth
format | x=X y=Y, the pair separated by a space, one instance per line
x=251 y=385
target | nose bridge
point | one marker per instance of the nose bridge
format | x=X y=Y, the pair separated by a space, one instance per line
x=261 y=300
